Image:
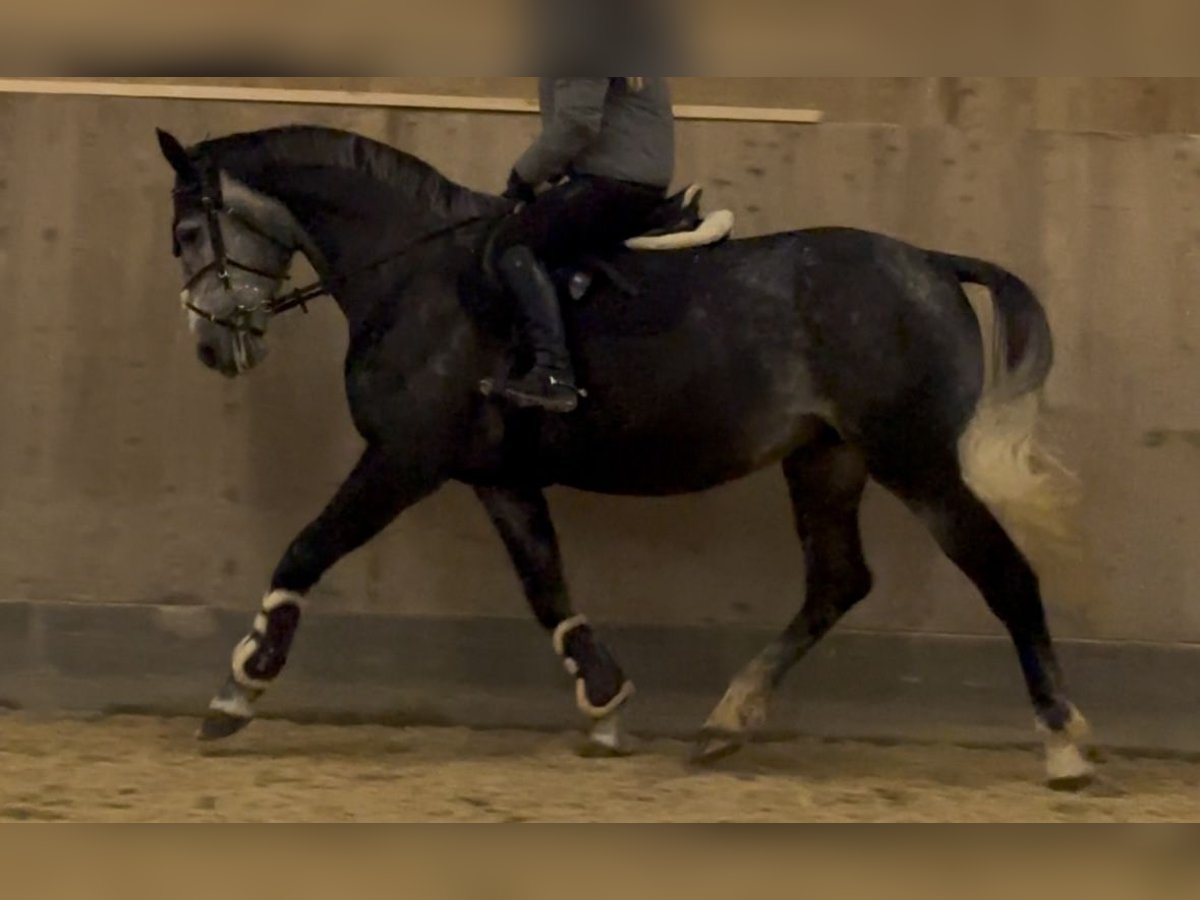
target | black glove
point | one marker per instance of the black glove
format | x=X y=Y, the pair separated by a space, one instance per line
x=519 y=190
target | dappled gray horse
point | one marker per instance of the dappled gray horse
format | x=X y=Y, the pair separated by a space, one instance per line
x=836 y=353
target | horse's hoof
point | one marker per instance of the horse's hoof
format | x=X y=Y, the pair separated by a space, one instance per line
x=1067 y=769
x=218 y=726
x=1075 y=785
x=1072 y=782
x=607 y=740
x=591 y=749
x=231 y=710
x=715 y=746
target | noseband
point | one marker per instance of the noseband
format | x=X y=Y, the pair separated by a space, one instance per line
x=242 y=318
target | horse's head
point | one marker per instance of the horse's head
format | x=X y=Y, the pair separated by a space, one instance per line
x=235 y=246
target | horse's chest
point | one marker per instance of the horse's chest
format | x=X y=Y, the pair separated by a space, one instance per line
x=392 y=408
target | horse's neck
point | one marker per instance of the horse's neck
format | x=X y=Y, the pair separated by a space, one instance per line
x=368 y=257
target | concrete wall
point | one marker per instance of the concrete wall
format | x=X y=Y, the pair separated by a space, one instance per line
x=1135 y=105
x=128 y=475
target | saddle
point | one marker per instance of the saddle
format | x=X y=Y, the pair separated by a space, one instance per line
x=678 y=224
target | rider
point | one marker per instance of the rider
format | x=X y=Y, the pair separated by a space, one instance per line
x=608 y=148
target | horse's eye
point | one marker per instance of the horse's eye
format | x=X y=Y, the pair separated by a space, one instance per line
x=187 y=236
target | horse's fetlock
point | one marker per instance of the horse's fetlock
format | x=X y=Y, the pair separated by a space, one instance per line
x=261 y=656
x=601 y=685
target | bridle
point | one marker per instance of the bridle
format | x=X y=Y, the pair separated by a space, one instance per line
x=241 y=320
x=212 y=202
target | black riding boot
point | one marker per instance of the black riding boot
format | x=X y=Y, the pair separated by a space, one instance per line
x=550 y=384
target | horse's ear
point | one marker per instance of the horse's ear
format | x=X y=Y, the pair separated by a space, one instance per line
x=176 y=154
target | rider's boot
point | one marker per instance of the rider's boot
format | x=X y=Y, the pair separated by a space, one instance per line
x=550 y=384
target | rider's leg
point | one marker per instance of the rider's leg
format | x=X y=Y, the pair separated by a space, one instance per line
x=585 y=214
x=550 y=384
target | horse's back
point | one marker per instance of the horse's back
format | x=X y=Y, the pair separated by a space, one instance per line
x=649 y=293
x=846 y=280
x=698 y=380
x=731 y=354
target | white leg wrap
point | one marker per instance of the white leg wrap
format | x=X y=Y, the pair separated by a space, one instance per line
x=242 y=654
x=601 y=713
x=561 y=632
x=249 y=645
x=276 y=599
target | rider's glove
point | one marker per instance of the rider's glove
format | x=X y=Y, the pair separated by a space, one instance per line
x=519 y=190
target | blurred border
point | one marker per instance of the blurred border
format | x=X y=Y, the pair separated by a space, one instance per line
x=703 y=863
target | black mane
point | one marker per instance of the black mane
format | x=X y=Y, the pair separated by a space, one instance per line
x=251 y=155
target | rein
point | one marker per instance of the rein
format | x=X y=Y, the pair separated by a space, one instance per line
x=300 y=298
x=240 y=320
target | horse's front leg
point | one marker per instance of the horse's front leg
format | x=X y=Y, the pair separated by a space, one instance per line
x=377 y=491
x=522 y=517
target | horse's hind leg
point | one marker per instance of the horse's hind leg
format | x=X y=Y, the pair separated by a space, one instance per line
x=972 y=537
x=826 y=480
x=522 y=517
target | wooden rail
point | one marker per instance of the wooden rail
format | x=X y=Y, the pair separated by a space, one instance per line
x=305 y=97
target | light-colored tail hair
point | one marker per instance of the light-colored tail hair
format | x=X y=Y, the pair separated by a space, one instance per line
x=1006 y=457
x=1012 y=468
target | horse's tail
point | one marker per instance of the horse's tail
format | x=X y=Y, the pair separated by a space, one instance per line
x=1023 y=348
x=1003 y=459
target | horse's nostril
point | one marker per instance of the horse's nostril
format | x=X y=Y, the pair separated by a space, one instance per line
x=208 y=355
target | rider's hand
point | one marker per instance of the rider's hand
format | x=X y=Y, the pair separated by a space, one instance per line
x=519 y=190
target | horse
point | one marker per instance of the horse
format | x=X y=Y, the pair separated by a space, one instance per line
x=840 y=355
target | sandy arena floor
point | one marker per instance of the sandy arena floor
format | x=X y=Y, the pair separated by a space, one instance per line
x=139 y=770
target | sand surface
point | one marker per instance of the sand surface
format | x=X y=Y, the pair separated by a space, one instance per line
x=150 y=770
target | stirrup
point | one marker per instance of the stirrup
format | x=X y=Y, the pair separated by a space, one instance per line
x=490 y=388
x=571 y=386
